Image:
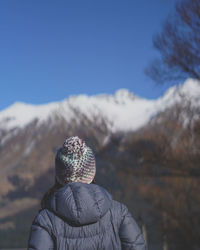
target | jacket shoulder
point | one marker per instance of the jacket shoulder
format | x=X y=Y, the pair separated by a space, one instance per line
x=44 y=219
x=119 y=207
x=119 y=210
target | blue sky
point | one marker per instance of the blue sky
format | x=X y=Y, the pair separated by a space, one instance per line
x=50 y=49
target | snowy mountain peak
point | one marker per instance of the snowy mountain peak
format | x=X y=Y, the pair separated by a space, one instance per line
x=190 y=87
x=124 y=95
x=16 y=106
x=20 y=114
x=121 y=111
x=188 y=91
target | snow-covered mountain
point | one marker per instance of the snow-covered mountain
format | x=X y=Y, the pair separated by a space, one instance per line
x=122 y=111
x=31 y=134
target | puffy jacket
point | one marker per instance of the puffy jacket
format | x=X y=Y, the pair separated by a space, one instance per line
x=82 y=216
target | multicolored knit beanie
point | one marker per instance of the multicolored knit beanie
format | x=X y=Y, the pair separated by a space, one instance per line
x=75 y=162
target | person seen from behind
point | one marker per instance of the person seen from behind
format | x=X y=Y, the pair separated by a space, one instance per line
x=78 y=214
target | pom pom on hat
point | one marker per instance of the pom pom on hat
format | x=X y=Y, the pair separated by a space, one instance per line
x=75 y=162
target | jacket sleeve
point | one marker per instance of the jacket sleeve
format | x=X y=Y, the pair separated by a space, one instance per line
x=129 y=232
x=40 y=234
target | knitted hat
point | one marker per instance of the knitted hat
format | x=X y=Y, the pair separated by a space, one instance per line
x=75 y=162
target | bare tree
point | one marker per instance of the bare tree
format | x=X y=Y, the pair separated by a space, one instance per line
x=178 y=45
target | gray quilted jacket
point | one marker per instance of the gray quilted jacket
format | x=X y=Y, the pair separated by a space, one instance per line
x=82 y=216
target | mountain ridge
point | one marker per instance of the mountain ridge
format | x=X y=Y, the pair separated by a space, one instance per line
x=123 y=110
x=132 y=138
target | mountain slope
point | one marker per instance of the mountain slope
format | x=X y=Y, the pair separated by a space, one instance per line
x=31 y=134
x=122 y=111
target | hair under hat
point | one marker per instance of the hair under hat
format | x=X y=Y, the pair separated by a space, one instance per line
x=75 y=162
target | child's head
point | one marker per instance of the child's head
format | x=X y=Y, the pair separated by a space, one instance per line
x=75 y=162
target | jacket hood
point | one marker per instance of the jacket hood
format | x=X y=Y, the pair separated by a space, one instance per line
x=80 y=203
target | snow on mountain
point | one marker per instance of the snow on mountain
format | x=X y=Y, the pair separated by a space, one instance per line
x=122 y=111
x=189 y=91
x=20 y=114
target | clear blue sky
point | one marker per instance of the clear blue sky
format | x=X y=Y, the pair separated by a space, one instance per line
x=50 y=49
